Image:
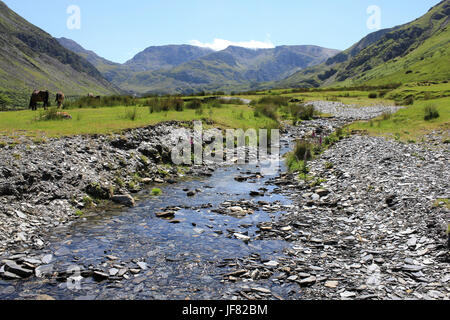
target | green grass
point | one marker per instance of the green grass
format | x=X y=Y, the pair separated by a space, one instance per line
x=115 y=119
x=409 y=124
x=344 y=95
x=156 y=192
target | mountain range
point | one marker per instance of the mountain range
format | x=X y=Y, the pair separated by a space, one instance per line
x=187 y=69
x=32 y=59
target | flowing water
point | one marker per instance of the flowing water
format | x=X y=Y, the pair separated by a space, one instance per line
x=184 y=259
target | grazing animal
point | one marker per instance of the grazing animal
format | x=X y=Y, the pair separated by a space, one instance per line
x=59 y=99
x=90 y=95
x=39 y=96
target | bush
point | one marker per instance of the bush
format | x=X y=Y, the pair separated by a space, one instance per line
x=295 y=165
x=386 y=115
x=409 y=100
x=275 y=100
x=194 y=104
x=269 y=111
x=97 y=102
x=303 y=150
x=215 y=104
x=297 y=159
x=4 y=102
x=157 y=104
x=431 y=113
x=373 y=95
x=302 y=112
x=236 y=101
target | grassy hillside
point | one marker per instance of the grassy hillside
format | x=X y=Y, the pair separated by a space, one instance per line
x=31 y=59
x=416 y=51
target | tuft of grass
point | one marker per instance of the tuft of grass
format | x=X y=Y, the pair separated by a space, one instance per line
x=386 y=116
x=131 y=114
x=156 y=192
x=431 y=112
x=88 y=202
x=329 y=165
x=79 y=213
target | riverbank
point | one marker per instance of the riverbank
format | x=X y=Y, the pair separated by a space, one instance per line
x=367 y=223
x=43 y=186
x=370 y=222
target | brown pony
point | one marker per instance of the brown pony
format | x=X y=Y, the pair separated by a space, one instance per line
x=59 y=99
x=39 y=96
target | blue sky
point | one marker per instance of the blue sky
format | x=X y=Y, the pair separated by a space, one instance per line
x=118 y=29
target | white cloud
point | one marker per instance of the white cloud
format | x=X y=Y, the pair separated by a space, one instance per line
x=221 y=44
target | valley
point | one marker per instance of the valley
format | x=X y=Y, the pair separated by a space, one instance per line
x=333 y=183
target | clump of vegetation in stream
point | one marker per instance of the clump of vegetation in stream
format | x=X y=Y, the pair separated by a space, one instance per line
x=156 y=192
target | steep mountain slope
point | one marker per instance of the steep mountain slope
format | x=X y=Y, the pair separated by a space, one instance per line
x=98 y=62
x=227 y=69
x=416 y=51
x=165 y=57
x=31 y=59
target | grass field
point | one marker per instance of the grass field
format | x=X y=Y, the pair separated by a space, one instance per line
x=409 y=124
x=406 y=125
x=115 y=119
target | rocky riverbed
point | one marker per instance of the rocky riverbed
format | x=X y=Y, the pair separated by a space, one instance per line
x=369 y=223
x=43 y=186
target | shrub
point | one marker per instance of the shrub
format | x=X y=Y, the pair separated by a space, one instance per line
x=275 y=100
x=231 y=101
x=303 y=150
x=97 y=102
x=4 y=102
x=431 y=113
x=157 y=104
x=295 y=165
x=409 y=100
x=302 y=112
x=194 y=104
x=386 y=115
x=269 y=111
x=215 y=104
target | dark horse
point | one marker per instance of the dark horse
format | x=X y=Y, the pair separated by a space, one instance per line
x=39 y=96
x=59 y=99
